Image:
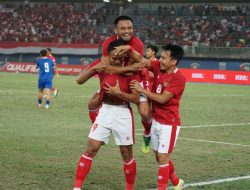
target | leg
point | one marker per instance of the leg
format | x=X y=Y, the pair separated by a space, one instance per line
x=93 y=106
x=146 y=119
x=164 y=135
x=47 y=91
x=163 y=171
x=85 y=161
x=129 y=166
x=172 y=176
x=55 y=91
x=178 y=183
x=39 y=98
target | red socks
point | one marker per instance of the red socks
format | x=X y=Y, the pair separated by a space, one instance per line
x=147 y=127
x=172 y=176
x=83 y=167
x=163 y=175
x=93 y=114
x=130 y=173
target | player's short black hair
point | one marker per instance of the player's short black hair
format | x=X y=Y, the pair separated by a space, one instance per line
x=153 y=47
x=177 y=52
x=43 y=52
x=122 y=17
x=49 y=49
x=114 y=44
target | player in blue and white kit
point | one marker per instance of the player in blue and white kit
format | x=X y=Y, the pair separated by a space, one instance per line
x=46 y=69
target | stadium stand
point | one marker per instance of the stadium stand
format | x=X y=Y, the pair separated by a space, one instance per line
x=206 y=25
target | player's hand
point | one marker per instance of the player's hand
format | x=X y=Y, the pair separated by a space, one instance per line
x=137 y=66
x=121 y=49
x=112 y=89
x=100 y=67
x=136 y=85
x=151 y=75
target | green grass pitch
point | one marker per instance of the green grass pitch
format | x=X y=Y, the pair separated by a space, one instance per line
x=39 y=149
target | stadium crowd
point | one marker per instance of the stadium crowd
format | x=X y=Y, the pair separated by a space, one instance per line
x=191 y=25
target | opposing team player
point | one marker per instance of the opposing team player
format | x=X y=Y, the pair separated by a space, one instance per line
x=46 y=69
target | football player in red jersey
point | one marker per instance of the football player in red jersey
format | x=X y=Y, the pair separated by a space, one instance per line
x=51 y=57
x=169 y=85
x=115 y=116
x=124 y=31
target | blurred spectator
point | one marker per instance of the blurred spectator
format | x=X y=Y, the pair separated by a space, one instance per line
x=197 y=25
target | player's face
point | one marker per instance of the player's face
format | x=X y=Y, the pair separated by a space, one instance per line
x=124 y=30
x=149 y=53
x=166 y=62
x=115 y=59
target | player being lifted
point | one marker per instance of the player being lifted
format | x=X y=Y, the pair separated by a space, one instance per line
x=115 y=116
x=124 y=31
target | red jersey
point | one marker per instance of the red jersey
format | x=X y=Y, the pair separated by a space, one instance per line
x=135 y=42
x=167 y=113
x=111 y=79
x=51 y=57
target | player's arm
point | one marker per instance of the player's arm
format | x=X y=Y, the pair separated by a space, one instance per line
x=115 y=90
x=120 y=70
x=90 y=71
x=133 y=54
x=56 y=70
x=85 y=75
x=160 y=98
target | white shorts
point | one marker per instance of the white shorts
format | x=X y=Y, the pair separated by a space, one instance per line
x=143 y=98
x=116 y=119
x=163 y=137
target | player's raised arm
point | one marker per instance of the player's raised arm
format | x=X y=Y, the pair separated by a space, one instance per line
x=133 y=54
x=94 y=68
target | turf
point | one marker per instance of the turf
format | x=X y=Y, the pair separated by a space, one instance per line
x=39 y=148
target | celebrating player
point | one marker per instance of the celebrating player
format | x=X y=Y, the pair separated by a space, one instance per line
x=115 y=116
x=50 y=56
x=124 y=31
x=169 y=85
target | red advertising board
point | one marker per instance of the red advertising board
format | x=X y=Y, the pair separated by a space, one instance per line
x=31 y=68
x=217 y=76
x=192 y=75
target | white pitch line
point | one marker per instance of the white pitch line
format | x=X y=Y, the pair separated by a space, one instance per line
x=216 y=142
x=210 y=125
x=213 y=182
x=206 y=141
x=220 y=95
x=216 y=125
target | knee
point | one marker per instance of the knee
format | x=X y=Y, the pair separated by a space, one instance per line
x=91 y=151
x=163 y=159
x=145 y=114
x=126 y=153
x=94 y=102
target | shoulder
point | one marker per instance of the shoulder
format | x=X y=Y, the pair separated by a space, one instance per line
x=179 y=76
x=110 y=39
x=136 y=39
